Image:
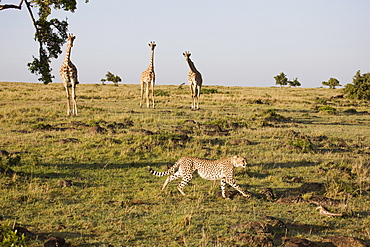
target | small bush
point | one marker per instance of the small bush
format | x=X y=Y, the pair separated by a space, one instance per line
x=160 y=92
x=8 y=237
x=302 y=144
x=338 y=181
x=350 y=111
x=271 y=115
x=221 y=122
x=322 y=101
x=209 y=91
x=327 y=109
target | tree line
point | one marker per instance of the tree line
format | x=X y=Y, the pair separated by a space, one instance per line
x=51 y=34
x=358 y=89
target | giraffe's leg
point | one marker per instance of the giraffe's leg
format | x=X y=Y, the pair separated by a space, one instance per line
x=195 y=97
x=233 y=184
x=191 y=93
x=185 y=180
x=147 y=95
x=169 y=179
x=193 y=107
x=68 y=101
x=142 y=93
x=192 y=97
x=152 y=86
x=74 y=111
x=198 y=96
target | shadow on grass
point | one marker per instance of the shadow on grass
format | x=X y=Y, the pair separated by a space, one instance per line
x=302 y=163
x=79 y=172
x=70 y=236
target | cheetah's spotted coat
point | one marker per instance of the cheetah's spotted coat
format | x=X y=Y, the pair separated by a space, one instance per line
x=221 y=169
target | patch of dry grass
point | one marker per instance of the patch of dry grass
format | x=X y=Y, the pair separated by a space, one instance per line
x=105 y=152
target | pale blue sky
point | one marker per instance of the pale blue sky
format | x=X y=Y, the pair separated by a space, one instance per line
x=233 y=43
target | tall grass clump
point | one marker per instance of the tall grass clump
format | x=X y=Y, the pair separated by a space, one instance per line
x=301 y=144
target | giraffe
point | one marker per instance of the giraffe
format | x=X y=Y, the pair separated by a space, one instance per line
x=147 y=79
x=68 y=72
x=194 y=80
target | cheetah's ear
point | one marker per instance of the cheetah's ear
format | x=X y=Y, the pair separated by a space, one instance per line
x=235 y=156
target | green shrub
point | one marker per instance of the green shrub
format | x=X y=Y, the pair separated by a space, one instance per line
x=322 y=101
x=302 y=144
x=209 y=91
x=271 y=115
x=160 y=92
x=359 y=88
x=9 y=238
x=338 y=181
x=327 y=109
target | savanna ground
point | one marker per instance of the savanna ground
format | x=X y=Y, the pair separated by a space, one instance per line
x=309 y=146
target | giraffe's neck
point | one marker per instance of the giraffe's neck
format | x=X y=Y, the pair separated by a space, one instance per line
x=151 y=64
x=68 y=54
x=191 y=65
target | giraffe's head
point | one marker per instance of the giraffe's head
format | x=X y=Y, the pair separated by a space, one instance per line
x=152 y=45
x=187 y=54
x=71 y=38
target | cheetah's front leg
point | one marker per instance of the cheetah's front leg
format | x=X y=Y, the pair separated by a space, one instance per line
x=223 y=185
x=233 y=184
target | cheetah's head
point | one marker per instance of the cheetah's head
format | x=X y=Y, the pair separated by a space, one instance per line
x=239 y=161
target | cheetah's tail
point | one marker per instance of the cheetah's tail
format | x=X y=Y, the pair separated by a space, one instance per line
x=158 y=174
x=166 y=173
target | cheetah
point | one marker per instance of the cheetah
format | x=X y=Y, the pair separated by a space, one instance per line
x=221 y=169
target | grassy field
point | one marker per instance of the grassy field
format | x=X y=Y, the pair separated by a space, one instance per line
x=310 y=146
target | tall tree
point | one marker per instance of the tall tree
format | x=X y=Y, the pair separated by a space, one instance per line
x=51 y=34
x=332 y=83
x=281 y=79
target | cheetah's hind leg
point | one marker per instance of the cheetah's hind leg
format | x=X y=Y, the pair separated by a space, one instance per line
x=185 y=180
x=169 y=179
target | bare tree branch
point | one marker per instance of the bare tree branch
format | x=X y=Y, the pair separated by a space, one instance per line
x=31 y=14
x=11 y=6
